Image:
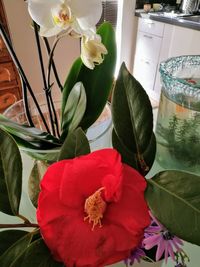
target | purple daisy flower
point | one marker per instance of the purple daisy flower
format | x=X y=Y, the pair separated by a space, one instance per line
x=136 y=255
x=157 y=235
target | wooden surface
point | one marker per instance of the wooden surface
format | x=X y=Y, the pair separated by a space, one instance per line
x=10 y=87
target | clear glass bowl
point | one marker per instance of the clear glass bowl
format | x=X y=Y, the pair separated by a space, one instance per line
x=178 y=123
x=181 y=80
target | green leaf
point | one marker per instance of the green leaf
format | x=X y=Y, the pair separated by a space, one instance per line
x=49 y=156
x=76 y=144
x=36 y=255
x=10 y=174
x=13 y=252
x=127 y=155
x=74 y=109
x=174 y=199
x=36 y=176
x=97 y=82
x=34 y=137
x=8 y=238
x=133 y=122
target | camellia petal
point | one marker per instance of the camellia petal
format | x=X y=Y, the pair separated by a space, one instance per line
x=81 y=212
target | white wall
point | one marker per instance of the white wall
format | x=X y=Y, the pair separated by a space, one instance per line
x=129 y=31
x=24 y=43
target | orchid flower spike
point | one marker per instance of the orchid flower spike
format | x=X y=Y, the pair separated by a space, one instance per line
x=56 y=16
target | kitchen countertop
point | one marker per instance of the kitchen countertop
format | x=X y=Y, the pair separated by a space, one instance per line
x=170 y=19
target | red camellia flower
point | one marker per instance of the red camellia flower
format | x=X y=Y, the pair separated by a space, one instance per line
x=91 y=209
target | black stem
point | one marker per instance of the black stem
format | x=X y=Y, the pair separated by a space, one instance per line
x=49 y=51
x=50 y=61
x=26 y=107
x=53 y=64
x=55 y=115
x=46 y=88
x=21 y=71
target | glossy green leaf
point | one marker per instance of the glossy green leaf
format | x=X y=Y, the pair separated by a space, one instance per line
x=49 y=156
x=174 y=198
x=8 y=238
x=36 y=255
x=74 y=109
x=37 y=173
x=13 y=252
x=128 y=156
x=10 y=174
x=29 y=135
x=97 y=82
x=133 y=122
x=76 y=144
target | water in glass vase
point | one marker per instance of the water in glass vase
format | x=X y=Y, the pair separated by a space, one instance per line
x=178 y=133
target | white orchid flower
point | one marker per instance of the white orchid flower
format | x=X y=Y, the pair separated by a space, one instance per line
x=55 y=16
x=92 y=50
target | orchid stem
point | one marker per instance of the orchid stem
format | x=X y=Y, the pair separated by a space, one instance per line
x=20 y=70
x=51 y=60
x=26 y=107
x=46 y=88
x=53 y=64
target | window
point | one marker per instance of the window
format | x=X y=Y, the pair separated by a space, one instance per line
x=109 y=12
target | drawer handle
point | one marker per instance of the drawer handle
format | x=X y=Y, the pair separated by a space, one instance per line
x=6 y=100
x=148 y=36
x=147 y=62
x=5 y=75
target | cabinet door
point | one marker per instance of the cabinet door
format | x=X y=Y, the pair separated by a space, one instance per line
x=151 y=26
x=144 y=72
x=184 y=42
x=148 y=46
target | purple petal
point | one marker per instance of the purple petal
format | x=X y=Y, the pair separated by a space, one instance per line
x=175 y=244
x=151 y=241
x=178 y=240
x=160 y=249
x=166 y=251
x=170 y=250
x=153 y=229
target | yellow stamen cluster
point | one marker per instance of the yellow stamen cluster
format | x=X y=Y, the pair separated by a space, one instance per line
x=95 y=206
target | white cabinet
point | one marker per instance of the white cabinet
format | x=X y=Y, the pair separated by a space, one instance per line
x=148 y=45
x=156 y=42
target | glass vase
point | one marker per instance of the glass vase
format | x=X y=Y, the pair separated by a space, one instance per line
x=99 y=134
x=178 y=123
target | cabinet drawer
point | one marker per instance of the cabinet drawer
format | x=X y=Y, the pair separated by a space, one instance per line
x=7 y=75
x=145 y=72
x=148 y=46
x=8 y=97
x=151 y=26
